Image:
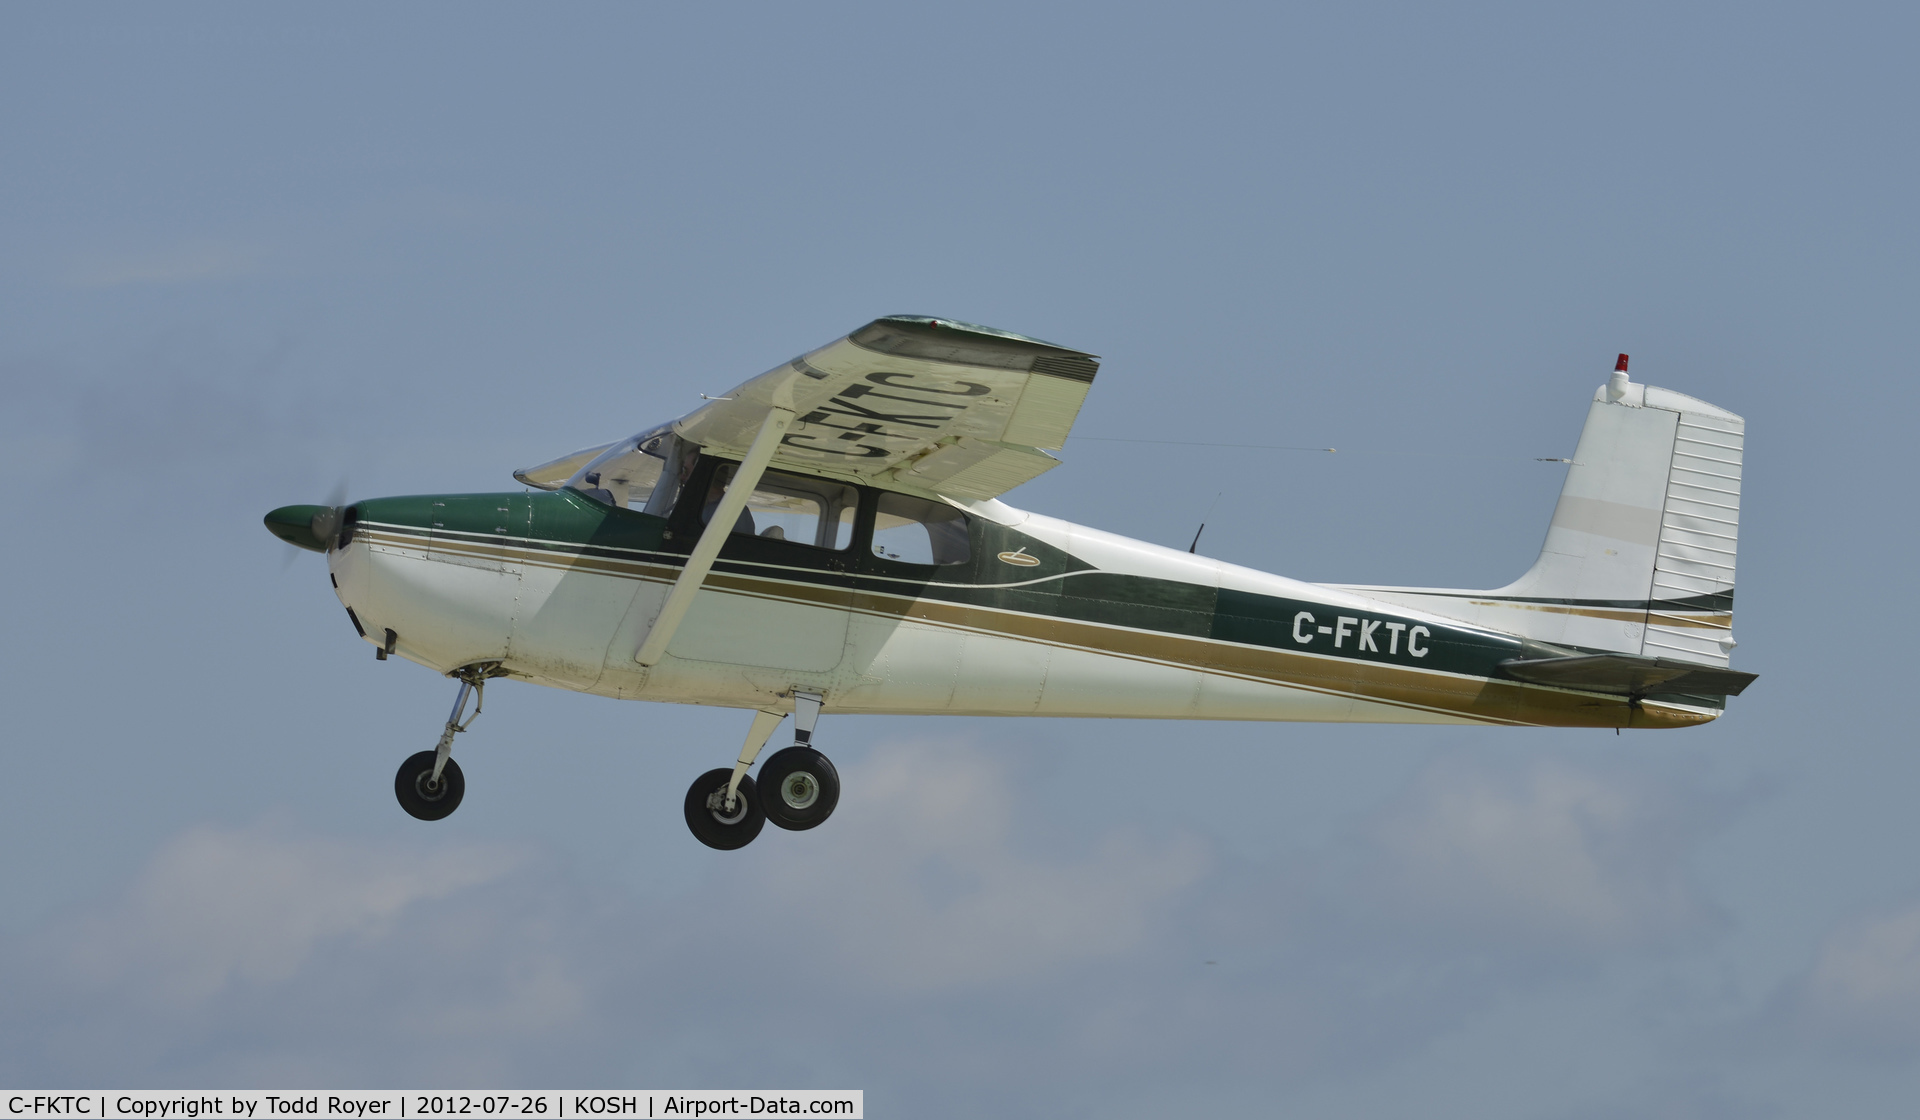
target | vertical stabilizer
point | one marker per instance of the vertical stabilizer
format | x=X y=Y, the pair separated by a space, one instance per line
x=1639 y=556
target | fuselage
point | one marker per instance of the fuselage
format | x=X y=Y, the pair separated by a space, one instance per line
x=1042 y=617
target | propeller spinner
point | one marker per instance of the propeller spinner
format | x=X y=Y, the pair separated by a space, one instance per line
x=314 y=528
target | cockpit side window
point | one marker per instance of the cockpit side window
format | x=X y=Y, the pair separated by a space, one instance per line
x=790 y=507
x=915 y=531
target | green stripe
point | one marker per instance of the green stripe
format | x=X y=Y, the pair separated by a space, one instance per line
x=1061 y=586
x=1719 y=602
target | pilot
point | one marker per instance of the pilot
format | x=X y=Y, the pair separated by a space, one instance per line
x=718 y=490
x=598 y=492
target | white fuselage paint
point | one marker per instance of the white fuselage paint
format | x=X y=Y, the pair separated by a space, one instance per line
x=577 y=628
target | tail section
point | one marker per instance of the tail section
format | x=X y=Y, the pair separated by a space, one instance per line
x=1639 y=556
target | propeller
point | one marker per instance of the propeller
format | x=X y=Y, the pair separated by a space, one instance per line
x=309 y=527
x=326 y=523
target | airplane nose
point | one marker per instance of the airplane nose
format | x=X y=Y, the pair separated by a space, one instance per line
x=308 y=527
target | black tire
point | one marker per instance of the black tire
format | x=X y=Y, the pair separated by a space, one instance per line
x=798 y=788
x=707 y=817
x=412 y=785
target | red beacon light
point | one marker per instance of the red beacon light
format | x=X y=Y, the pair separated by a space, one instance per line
x=1617 y=384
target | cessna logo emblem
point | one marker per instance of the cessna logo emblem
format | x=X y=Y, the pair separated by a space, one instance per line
x=1364 y=633
x=1019 y=559
x=884 y=415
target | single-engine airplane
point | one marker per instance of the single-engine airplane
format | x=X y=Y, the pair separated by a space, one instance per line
x=829 y=535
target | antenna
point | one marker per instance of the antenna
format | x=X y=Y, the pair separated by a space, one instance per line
x=1203 y=523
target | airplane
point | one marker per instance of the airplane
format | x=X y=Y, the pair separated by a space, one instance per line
x=829 y=536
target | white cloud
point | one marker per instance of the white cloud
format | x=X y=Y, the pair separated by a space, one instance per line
x=919 y=940
x=928 y=891
x=218 y=907
x=1863 y=990
x=260 y=953
x=1561 y=857
x=177 y=264
x=241 y=951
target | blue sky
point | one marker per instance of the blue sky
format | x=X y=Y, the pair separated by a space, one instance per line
x=247 y=253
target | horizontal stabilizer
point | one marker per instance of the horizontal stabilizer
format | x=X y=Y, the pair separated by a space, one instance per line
x=1628 y=675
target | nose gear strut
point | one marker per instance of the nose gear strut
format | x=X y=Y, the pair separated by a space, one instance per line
x=430 y=785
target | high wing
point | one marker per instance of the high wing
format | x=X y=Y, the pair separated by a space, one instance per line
x=553 y=474
x=951 y=408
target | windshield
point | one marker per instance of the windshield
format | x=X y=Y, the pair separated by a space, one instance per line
x=631 y=472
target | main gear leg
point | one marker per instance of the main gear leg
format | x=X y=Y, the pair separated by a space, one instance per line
x=757 y=735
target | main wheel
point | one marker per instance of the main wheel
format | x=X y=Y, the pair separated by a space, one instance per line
x=798 y=788
x=423 y=797
x=709 y=819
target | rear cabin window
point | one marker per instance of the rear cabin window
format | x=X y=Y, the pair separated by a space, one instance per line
x=916 y=531
x=790 y=507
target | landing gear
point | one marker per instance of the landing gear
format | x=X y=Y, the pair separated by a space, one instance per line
x=798 y=787
x=721 y=814
x=424 y=796
x=430 y=785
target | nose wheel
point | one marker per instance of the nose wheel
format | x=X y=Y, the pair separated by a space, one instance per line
x=424 y=796
x=430 y=785
x=798 y=787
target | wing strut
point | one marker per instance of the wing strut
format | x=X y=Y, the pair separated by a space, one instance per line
x=680 y=599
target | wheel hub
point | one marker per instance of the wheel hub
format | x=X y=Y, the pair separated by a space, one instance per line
x=799 y=790
x=427 y=788
x=717 y=805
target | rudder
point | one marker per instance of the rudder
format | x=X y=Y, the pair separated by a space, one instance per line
x=1690 y=616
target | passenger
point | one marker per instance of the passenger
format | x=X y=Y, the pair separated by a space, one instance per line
x=718 y=490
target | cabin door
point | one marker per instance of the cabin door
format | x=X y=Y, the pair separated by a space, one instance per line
x=779 y=595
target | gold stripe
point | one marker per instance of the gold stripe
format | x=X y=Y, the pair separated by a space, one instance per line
x=1470 y=697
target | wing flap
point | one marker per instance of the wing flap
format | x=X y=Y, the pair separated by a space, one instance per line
x=1047 y=409
x=974 y=470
